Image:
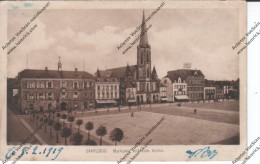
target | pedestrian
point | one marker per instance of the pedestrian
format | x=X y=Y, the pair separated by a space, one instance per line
x=195 y=111
x=132 y=114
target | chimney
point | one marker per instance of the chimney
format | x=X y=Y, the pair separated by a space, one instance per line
x=46 y=68
x=76 y=69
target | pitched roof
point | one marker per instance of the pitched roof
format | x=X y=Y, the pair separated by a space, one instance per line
x=117 y=72
x=55 y=74
x=154 y=73
x=162 y=85
x=210 y=83
x=130 y=85
x=183 y=74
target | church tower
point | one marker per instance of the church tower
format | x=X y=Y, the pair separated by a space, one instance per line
x=143 y=55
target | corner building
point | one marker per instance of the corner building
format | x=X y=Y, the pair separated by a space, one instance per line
x=44 y=90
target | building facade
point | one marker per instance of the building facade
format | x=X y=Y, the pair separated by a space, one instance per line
x=176 y=88
x=163 y=93
x=106 y=91
x=184 y=85
x=45 y=90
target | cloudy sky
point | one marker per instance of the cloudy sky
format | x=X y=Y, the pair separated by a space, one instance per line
x=203 y=37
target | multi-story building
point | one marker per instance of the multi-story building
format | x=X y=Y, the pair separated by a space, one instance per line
x=55 y=89
x=12 y=92
x=176 y=87
x=163 y=93
x=141 y=76
x=184 y=84
x=227 y=89
x=210 y=90
x=106 y=91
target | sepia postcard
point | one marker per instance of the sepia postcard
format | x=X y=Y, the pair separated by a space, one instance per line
x=123 y=81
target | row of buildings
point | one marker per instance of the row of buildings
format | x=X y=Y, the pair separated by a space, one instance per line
x=133 y=84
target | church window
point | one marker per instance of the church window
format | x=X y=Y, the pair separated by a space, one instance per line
x=142 y=59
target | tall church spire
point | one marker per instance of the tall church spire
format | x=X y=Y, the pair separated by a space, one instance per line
x=143 y=36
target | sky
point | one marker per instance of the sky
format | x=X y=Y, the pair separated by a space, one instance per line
x=203 y=37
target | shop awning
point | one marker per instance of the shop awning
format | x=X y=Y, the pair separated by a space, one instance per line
x=131 y=101
x=164 y=99
x=182 y=97
x=106 y=101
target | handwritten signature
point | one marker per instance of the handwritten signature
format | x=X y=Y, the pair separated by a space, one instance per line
x=205 y=152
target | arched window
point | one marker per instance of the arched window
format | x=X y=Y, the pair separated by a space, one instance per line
x=142 y=58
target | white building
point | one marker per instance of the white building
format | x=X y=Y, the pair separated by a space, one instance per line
x=176 y=88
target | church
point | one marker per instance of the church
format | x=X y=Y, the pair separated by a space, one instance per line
x=138 y=83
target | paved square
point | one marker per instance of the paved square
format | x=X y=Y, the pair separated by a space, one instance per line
x=174 y=130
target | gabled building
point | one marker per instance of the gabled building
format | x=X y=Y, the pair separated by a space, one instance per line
x=184 y=84
x=106 y=89
x=210 y=90
x=44 y=90
x=140 y=76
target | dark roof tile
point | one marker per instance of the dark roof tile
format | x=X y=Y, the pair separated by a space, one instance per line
x=55 y=74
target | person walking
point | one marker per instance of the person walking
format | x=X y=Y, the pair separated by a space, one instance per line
x=132 y=114
x=195 y=111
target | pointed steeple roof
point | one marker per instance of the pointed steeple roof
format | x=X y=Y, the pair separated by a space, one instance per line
x=98 y=73
x=154 y=73
x=127 y=71
x=143 y=36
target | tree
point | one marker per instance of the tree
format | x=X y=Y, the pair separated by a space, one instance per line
x=41 y=120
x=45 y=123
x=57 y=128
x=58 y=115
x=101 y=131
x=77 y=139
x=79 y=122
x=116 y=135
x=71 y=119
x=33 y=116
x=65 y=132
x=50 y=123
x=53 y=113
x=64 y=117
x=37 y=118
x=90 y=142
x=89 y=126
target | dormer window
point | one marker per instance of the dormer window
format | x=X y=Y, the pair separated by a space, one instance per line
x=179 y=80
x=195 y=73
